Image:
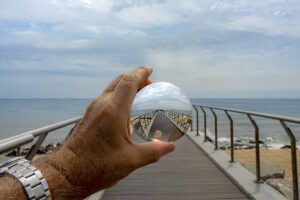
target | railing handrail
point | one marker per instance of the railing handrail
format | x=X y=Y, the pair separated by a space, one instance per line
x=12 y=142
x=41 y=133
x=258 y=114
x=250 y=114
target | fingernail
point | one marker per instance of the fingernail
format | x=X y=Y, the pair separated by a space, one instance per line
x=171 y=147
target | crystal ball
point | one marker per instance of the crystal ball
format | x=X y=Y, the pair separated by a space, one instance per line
x=160 y=111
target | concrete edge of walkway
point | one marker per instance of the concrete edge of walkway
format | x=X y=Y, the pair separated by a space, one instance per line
x=236 y=171
x=96 y=196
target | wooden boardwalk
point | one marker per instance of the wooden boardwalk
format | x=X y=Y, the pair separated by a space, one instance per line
x=186 y=174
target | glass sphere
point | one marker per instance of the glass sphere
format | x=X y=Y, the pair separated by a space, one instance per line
x=160 y=111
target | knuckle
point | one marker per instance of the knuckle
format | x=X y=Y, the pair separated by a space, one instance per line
x=127 y=82
x=90 y=107
x=128 y=77
x=121 y=76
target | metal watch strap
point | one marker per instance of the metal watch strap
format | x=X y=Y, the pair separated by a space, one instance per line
x=34 y=183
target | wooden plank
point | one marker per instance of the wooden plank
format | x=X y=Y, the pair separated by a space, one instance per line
x=184 y=174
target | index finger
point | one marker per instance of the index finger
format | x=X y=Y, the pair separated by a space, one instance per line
x=129 y=85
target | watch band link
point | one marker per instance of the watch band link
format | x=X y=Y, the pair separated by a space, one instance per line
x=34 y=183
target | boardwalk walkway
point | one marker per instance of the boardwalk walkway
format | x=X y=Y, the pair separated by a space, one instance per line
x=185 y=174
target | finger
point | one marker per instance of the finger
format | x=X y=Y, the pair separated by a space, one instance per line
x=113 y=84
x=150 y=152
x=128 y=86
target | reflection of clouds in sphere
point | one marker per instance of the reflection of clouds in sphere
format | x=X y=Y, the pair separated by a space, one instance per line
x=161 y=95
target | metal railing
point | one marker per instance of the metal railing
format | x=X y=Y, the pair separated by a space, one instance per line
x=17 y=141
x=283 y=121
x=40 y=134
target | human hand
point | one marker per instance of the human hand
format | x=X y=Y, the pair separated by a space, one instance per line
x=100 y=151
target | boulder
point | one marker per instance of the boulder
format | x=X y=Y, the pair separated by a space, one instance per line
x=267 y=171
x=287 y=146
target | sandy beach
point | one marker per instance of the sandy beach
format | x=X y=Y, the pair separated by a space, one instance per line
x=280 y=157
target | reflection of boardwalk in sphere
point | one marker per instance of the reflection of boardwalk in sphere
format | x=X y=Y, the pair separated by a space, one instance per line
x=165 y=125
x=169 y=131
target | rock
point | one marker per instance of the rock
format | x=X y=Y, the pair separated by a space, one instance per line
x=42 y=150
x=269 y=139
x=287 y=146
x=267 y=171
x=50 y=147
x=209 y=139
x=245 y=147
x=12 y=153
x=284 y=186
x=252 y=141
x=224 y=147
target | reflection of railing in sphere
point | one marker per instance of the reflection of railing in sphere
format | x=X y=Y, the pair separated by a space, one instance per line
x=182 y=120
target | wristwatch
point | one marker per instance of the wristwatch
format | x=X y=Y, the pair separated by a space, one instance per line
x=33 y=182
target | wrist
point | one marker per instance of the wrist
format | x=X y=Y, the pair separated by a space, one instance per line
x=21 y=173
x=12 y=188
x=72 y=173
x=58 y=184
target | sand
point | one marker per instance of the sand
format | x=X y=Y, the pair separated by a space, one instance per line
x=281 y=157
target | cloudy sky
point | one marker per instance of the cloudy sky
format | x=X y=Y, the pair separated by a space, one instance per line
x=209 y=48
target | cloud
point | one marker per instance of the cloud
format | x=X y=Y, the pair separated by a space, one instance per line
x=203 y=71
x=278 y=17
x=149 y=15
x=205 y=47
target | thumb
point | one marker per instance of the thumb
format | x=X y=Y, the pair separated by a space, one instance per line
x=150 y=152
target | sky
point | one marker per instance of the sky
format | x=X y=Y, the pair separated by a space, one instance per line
x=208 y=48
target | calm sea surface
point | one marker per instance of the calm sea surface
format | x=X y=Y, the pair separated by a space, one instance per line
x=20 y=115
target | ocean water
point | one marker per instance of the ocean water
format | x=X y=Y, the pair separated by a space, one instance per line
x=20 y=115
x=271 y=131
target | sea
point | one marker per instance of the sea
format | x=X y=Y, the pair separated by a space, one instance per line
x=21 y=115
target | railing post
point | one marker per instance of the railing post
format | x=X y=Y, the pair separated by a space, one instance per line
x=231 y=136
x=293 y=158
x=257 y=154
x=34 y=148
x=216 y=128
x=147 y=121
x=192 y=124
x=18 y=151
x=197 y=120
x=204 y=116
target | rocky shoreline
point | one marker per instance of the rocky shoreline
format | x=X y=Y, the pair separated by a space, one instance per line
x=241 y=143
x=44 y=149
